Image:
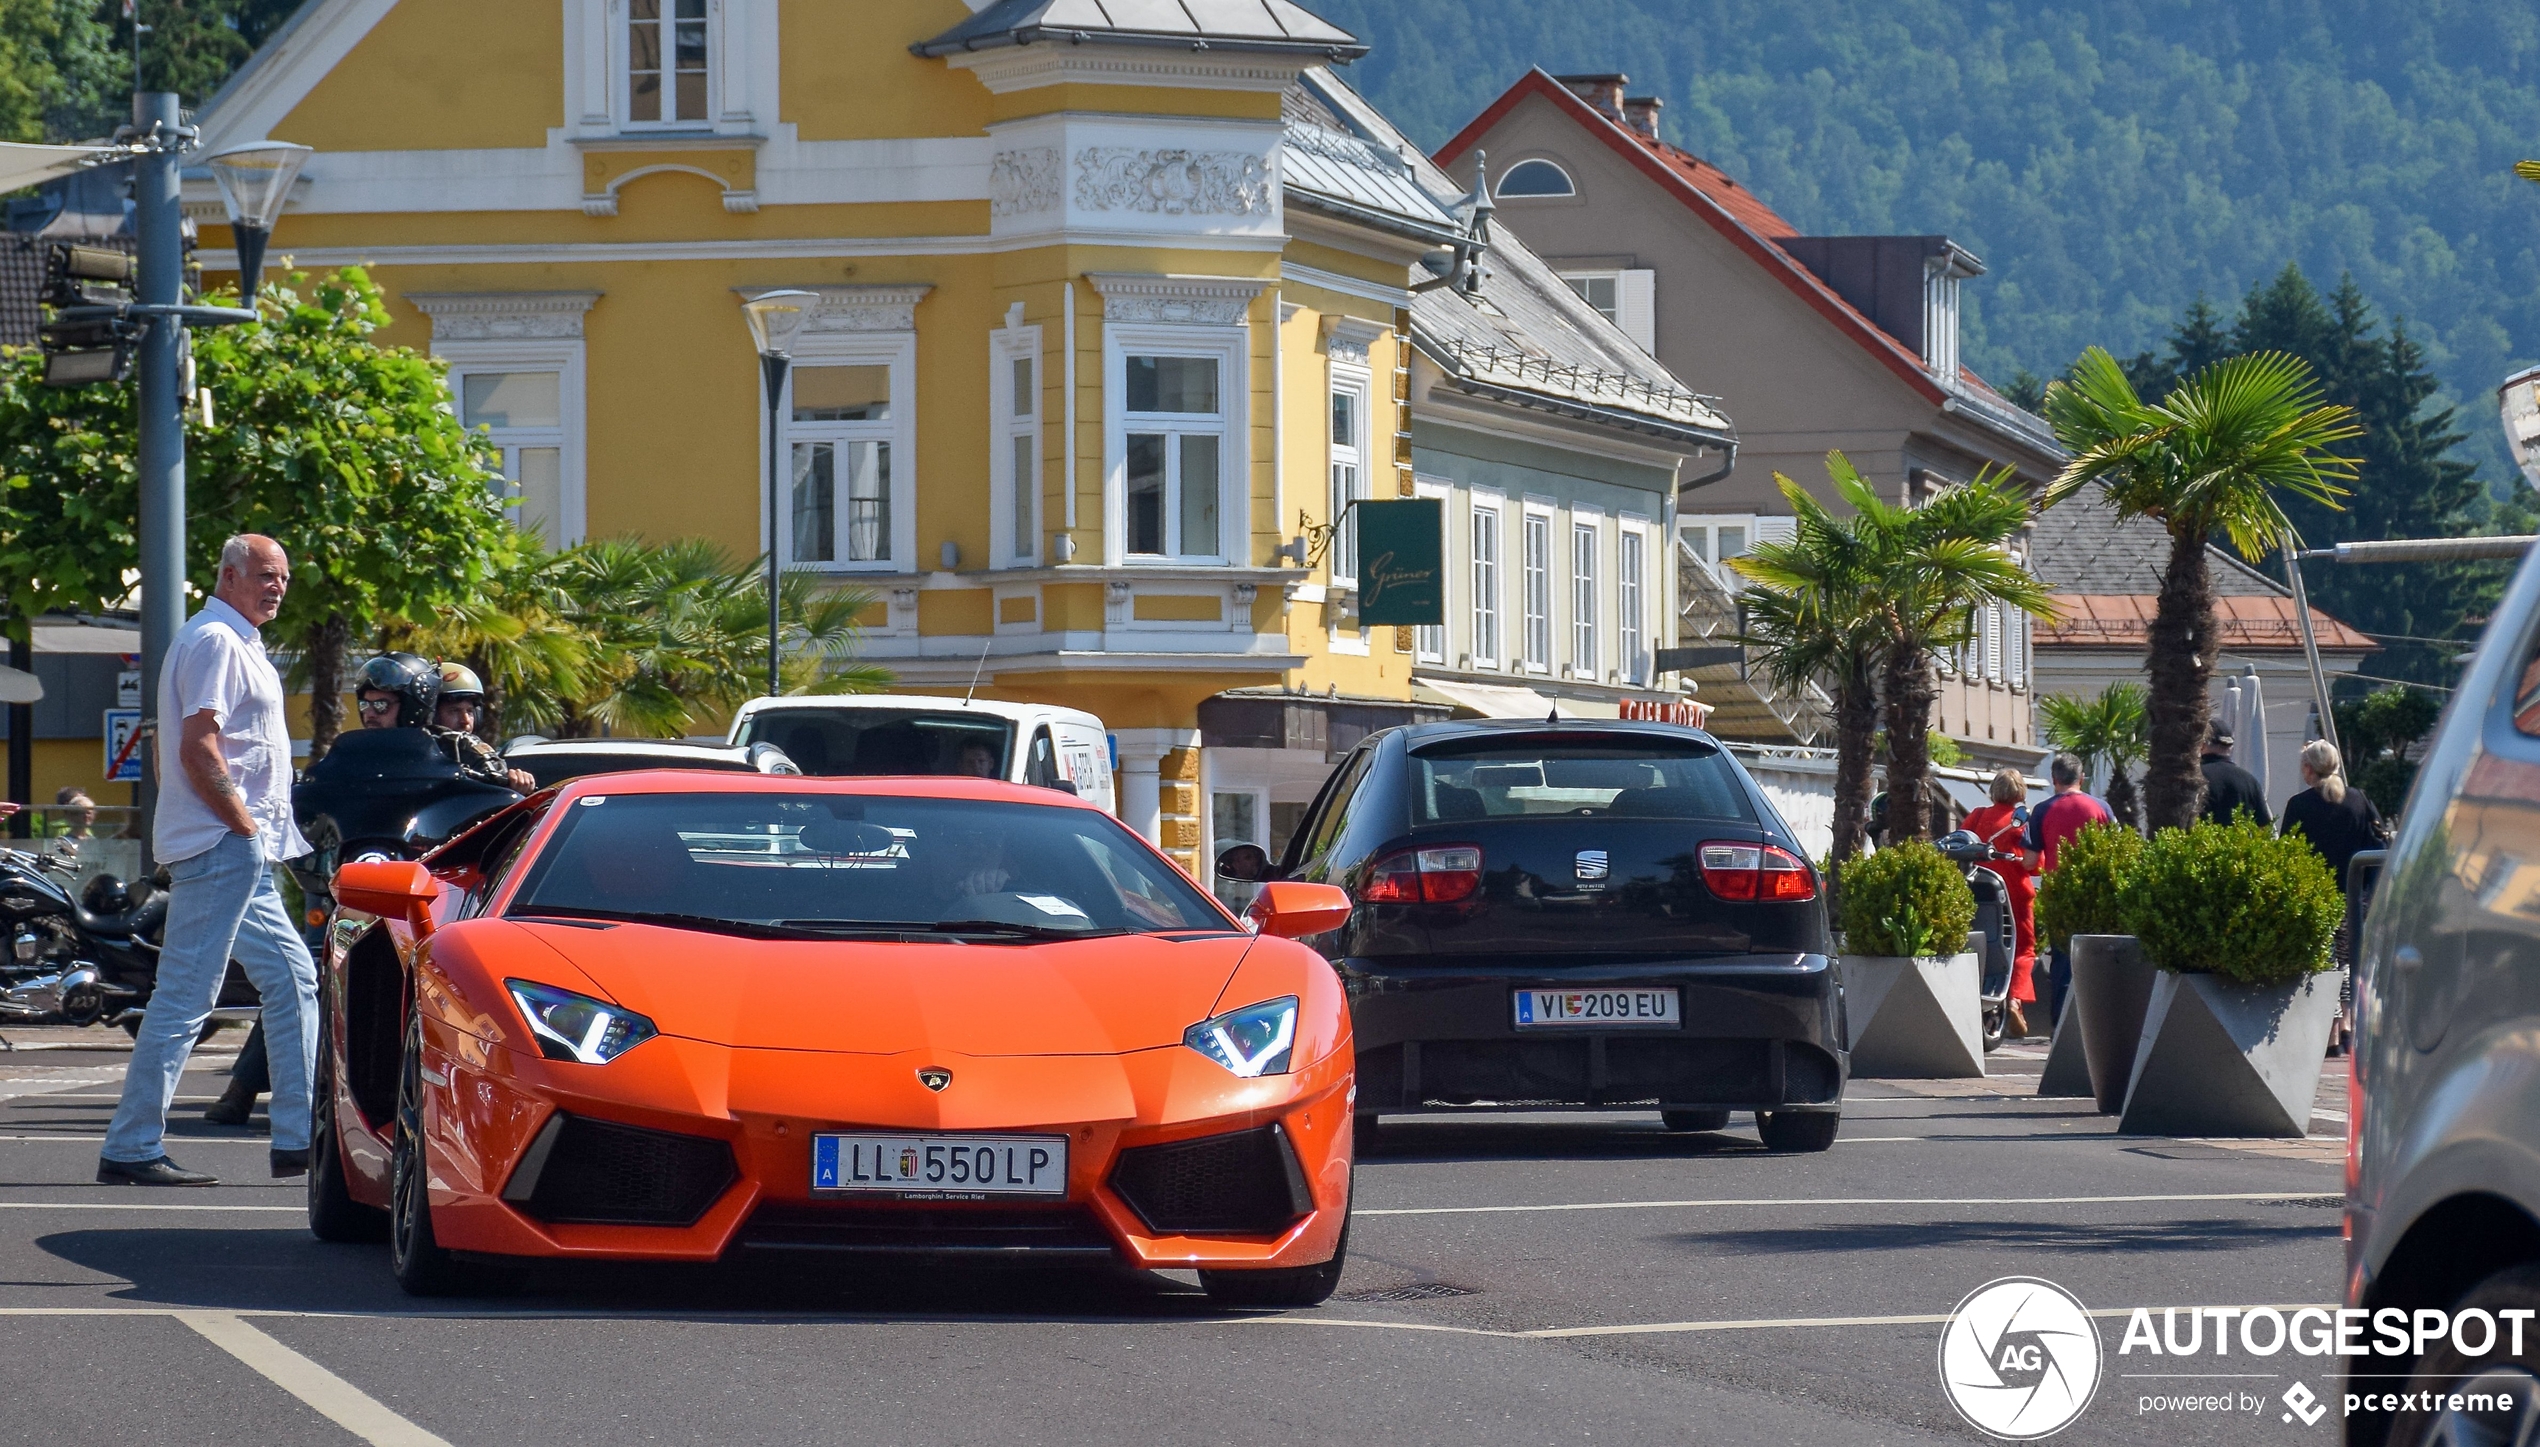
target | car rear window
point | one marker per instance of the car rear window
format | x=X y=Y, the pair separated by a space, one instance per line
x=878 y=741
x=1458 y=780
x=555 y=768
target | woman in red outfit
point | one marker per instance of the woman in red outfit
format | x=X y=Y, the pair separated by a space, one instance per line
x=1999 y=824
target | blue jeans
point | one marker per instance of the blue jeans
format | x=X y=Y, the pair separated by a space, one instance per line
x=222 y=905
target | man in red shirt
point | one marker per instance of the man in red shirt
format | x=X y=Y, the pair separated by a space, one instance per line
x=2049 y=824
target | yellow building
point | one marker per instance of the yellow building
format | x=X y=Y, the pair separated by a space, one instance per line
x=1086 y=380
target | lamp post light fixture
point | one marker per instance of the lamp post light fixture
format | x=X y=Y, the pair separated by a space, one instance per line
x=775 y=317
x=255 y=180
x=2519 y=401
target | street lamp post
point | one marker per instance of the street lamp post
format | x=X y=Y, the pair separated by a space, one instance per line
x=255 y=181
x=774 y=318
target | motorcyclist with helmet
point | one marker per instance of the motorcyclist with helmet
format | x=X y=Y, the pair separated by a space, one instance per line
x=394 y=690
x=404 y=690
x=462 y=702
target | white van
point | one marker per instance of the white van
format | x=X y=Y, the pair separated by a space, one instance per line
x=892 y=733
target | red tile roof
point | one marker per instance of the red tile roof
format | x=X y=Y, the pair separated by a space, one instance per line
x=1732 y=210
x=2248 y=621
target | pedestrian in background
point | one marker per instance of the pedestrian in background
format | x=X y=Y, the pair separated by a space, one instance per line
x=2049 y=824
x=79 y=811
x=2340 y=821
x=2229 y=788
x=224 y=816
x=1999 y=825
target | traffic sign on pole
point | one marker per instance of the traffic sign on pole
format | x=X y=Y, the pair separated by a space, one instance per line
x=123 y=738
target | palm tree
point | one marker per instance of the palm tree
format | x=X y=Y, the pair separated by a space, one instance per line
x=2208 y=461
x=2106 y=730
x=647 y=639
x=1935 y=568
x=1808 y=611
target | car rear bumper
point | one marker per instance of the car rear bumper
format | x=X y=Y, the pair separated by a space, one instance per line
x=713 y=1146
x=1757 y=1033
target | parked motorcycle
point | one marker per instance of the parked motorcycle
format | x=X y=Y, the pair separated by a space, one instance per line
x=87 y=957
x=1998 y=930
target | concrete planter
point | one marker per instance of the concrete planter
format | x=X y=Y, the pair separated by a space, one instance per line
x=1916 y=1018
x=2067 y=1073
x=2112 y=985
x=2220 y=1058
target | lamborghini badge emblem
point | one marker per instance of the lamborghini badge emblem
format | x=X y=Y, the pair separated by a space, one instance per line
x=934 y=1077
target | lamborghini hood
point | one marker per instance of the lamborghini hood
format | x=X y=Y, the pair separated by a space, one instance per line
x=1075 y=997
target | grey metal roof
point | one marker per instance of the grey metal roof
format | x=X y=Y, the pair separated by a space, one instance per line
x=2082 y=546
x=1256 y=25
x=1526 y=332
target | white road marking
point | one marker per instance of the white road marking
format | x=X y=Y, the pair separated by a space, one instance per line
x=332 y=1397
x=1840 y=1201
x=138 y=1205
x=188 y=1141
x=1659 y=1328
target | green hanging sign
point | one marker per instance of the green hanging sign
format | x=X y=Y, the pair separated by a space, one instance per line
x=1402 y=562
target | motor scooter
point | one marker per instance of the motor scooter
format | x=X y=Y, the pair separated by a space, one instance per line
x=1996 y=927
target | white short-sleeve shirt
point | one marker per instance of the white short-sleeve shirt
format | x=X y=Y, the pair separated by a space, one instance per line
x=218 y=663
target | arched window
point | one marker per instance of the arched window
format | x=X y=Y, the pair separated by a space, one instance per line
x=1536 y=178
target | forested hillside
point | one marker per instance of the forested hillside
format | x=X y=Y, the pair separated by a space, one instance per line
x=2109 y=159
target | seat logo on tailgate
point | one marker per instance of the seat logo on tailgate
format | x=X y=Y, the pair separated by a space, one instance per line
x=1592 y=864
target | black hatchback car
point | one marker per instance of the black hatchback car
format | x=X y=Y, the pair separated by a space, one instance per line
x=1574 y=914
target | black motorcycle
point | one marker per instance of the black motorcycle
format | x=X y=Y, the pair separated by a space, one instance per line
x=381 y=794
x=88 y=957
x=1996 y=926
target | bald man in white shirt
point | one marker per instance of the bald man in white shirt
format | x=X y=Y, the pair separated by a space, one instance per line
x=224 y=819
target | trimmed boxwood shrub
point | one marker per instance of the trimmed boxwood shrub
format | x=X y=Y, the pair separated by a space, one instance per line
x=2080 y=896
x=2231 y=899
x=1905 y=900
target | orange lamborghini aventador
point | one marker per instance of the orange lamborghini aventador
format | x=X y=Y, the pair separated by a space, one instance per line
x=680 y=1017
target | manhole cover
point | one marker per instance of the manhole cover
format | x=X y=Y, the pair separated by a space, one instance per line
x=1420 y=1291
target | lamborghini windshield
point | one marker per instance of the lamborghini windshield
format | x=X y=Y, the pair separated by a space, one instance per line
x=811 y=865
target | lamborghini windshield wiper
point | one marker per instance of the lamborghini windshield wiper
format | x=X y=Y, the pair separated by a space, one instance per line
x=715 y=924
x=994 y=928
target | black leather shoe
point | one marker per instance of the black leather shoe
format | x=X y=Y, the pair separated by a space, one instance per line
x=161 y=1172
x=290 y=1163
x=234 y=1106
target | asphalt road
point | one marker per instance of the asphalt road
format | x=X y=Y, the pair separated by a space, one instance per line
x=1512 y=1280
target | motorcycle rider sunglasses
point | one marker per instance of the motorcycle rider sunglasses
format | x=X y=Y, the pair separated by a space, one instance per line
x=375 y=705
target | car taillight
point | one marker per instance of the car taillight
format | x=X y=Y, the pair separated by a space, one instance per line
x=1759 y=872
x=1439 y=874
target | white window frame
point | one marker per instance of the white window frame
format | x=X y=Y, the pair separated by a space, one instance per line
x=1358 y=384
x=1631 y=599
x=1006 y=347
x=1536 y=585
x=1233 y=423
x=898 y=352
x=1993 y=643
x=1587 y=542
x=622 y=67
x=1578 y=282
x=1635 y=311
x=1701 y=530
x=1429 y=642
x=560 y=355
x=1490 y=578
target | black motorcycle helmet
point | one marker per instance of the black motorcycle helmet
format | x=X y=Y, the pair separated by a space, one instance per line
x=105 y=894
x=416 y=682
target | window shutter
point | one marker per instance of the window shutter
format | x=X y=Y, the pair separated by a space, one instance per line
x=1636 y=308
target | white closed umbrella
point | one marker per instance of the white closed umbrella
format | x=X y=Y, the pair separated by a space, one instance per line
x=2249 y=733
